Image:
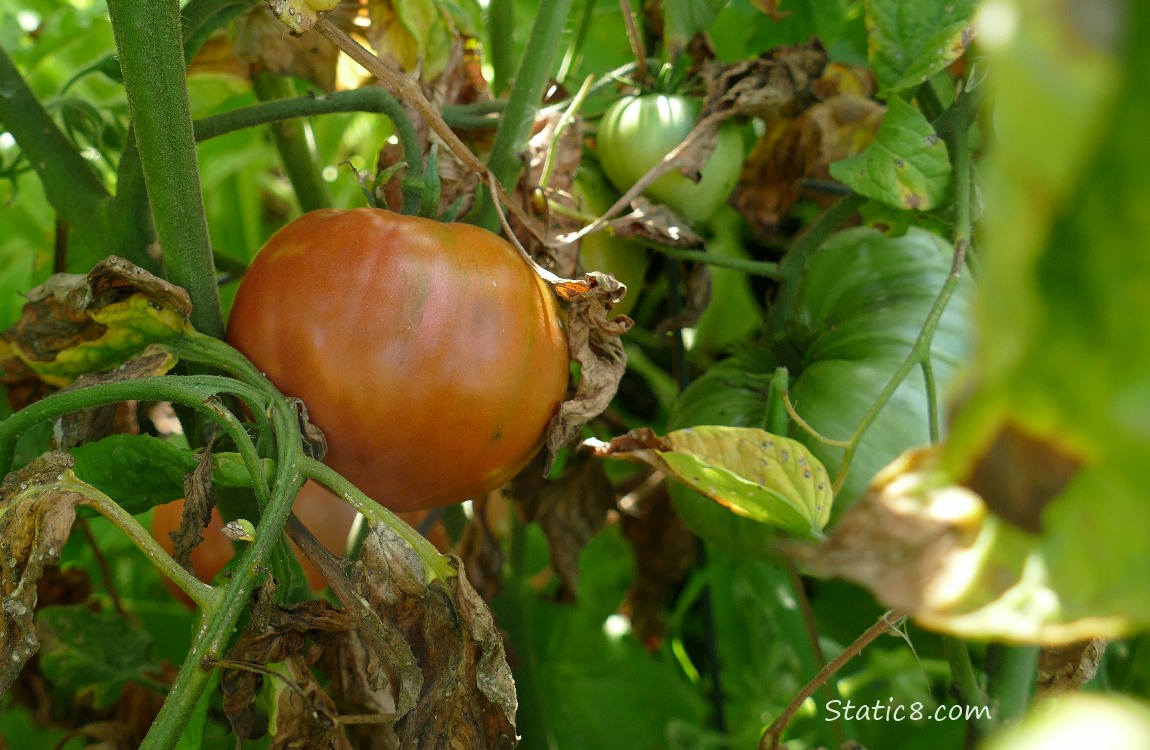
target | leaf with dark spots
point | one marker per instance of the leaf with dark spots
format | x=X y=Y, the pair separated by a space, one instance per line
x=464 y=692
x=1019 y=474
x=776 y=84
x=570 y=510
x=1068 y=667
x=36 y=514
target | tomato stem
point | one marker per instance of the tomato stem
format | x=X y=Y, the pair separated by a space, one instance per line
x=437 y=565
x=150 y=50
x=295 y=143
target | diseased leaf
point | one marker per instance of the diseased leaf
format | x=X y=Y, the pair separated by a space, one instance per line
x=92 y=654
x=905 y=166
x=764 y=477
x=37 y=509
x=465 y=695
x=909 y=40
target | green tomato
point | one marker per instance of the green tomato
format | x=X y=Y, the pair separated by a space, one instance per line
x=636 y=132
x=603 y=251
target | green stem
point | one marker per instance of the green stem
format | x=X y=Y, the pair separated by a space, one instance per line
x=918 y=353
x=202 y=594
x=436 y=564
x=501 y=39
x=964 y=683
x=150 y=48
x=195 y=674
x=1011 y=673
x=295 y=143
x=200 y=18
x=70 y=183
x=746 y=265
x=367 y=99
x=505 y=161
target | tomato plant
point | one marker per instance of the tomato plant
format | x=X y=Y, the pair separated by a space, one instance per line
x=324 y=515
x=431 y=355
x=636 y=132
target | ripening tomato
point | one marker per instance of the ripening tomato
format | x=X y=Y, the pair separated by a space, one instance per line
x=430 y=354
x=326 y=516
x=636 y=132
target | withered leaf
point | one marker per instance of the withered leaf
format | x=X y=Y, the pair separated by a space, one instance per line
x=776 y=84
x=593 y=338
x=1020 y=473
x=1069 y=667
x=88 y=425
x=466 y=695
x=101 y=320
x=295 y=635
x=199 y=500
x=37 y=510
x=570 y=510
x=901 y=538
x=657 y=223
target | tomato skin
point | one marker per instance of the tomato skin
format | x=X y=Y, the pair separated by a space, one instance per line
x=430 y=354
x=636 y=132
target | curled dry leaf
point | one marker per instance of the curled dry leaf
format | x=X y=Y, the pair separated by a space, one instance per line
x=199 y=501
x=570 y=510
x=285 y=641
x=657 y=223
x=74 y=324
x=593 y=338
x=258 y=39
x=779 y=83
x=466 y=694
x=37 y=509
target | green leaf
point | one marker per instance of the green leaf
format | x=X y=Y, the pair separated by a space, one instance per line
x=910 y=40
x=140 y=471
x=905 y=166
x=92 y=654
x=770 y=479
x=686 y=18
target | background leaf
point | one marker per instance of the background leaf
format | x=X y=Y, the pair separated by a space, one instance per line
x=910 y=40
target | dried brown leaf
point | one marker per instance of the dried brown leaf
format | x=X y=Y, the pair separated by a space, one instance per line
x=480 y=547
x=697 y=295
x=1067 y=668
x=776 y=84
x=259 y=39
x=36 y=515
x=465 y=695
x=199 y=501
x=657 y=223
x=570 y=510
x=593 y=338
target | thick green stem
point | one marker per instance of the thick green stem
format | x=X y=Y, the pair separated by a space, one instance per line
x=72 y=186
x=296 y=145
x=964 y=684
x=150 y=48
x=748 y=266
x=505 y=161
x=1011 y=672
x=501 y=39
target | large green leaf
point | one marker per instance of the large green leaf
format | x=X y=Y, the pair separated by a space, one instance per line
x=911 y=40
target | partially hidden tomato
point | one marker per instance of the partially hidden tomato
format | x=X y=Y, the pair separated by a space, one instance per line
x=636 y=132
x=326 y=516
x=603 y=251
x=842 y=330
x=430 y=355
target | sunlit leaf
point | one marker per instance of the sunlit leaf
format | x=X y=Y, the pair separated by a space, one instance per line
x=910 y=40
x=905 y=166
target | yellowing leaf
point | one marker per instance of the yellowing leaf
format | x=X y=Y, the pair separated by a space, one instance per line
x=764 y=477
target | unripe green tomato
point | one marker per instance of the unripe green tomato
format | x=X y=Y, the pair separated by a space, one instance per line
x=604 y=251
x=636 y=132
